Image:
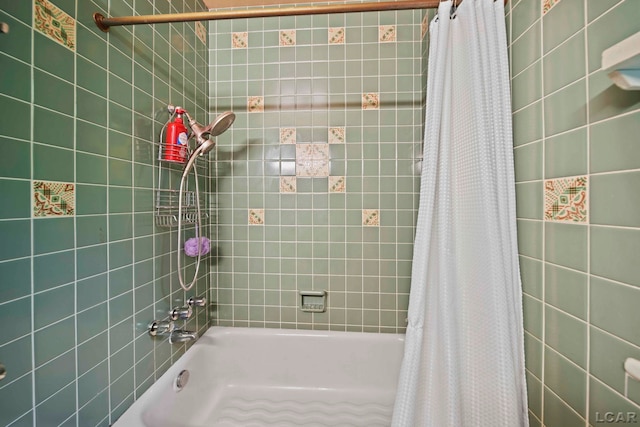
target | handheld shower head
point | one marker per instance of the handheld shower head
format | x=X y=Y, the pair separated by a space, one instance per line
x=202 y=149
x=202 y=133
x=205 y=144
x=217 y=127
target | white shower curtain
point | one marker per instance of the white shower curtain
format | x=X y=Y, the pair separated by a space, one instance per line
x=464 y=360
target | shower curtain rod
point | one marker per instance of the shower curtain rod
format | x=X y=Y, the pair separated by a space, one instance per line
x=104 y=23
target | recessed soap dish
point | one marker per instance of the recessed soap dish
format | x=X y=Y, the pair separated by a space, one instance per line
x=622 y=62
x=632 y=367
x=313 y=301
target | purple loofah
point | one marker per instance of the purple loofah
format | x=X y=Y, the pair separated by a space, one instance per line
x=191 y=246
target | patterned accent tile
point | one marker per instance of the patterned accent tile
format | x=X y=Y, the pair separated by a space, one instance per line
x=370 y=101
x=371 y=217
x=287 y=184
x=255 y=104
x=287 y=135
x=548 y=4
x=54 y=23
x=387 y=33
x=53 y=198
x=312 y=159
x=287 y=37
x=311 y=168
x=256 y=216
x=336 y=35
x=201 y=32
x=312 y=152
x=424 y=26
x=337 y=184
x=565 y=199
x=337 y=135
x=240 y=40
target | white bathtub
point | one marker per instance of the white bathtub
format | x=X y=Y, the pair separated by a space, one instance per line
x=274 y=377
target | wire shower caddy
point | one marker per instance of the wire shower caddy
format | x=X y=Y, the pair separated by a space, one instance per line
x=167 y=199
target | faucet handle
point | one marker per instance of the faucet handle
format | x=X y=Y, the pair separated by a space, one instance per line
x=181 y=312
x=160 y=328
x=197 y=301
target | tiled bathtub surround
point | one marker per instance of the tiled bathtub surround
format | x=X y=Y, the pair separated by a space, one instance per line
x=82 y=267
x=332 y=159
x=577 y=162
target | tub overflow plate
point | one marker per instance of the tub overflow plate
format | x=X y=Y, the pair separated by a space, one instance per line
x=181 y=380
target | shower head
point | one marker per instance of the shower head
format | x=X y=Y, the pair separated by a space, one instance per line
x=206 y=146
x=221 y=123
x=202 y=149
x=217 y=127
x=202 y=133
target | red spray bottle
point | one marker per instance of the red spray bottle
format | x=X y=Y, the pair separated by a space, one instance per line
x=176 y=147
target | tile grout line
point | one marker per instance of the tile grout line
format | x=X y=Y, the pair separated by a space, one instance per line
x=133 y=203
x=615 y=337
x=155 y=185
x=107 y=227
x=31 y=221
x=571 y=408
x=588 y=192
x=543 y=227
x=75 y=227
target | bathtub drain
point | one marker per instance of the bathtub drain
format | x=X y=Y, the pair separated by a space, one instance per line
x=181 y=380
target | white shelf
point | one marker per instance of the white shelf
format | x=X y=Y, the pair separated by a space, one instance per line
x=622 y=62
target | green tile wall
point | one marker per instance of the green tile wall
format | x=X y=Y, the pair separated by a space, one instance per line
x=77 y=291
x=314 y=239
x=580 y=274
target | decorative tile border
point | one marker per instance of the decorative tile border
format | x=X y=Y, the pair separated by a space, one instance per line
x=370 y=101
x=548 y=4
x=256 y=216
x=371 y=217
x=565 y=199
x=54 y=23
x=255 y=104
x=240 y=40
x=287 y=135
x=336 y=35
x=201 y=32
x=337 y=184
x=337 y=135
x=387 y=33
x=287 y=37
x=53 y=199
x=288 y=184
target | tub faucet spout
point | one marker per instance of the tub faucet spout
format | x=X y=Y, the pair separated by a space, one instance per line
x=180 y=336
